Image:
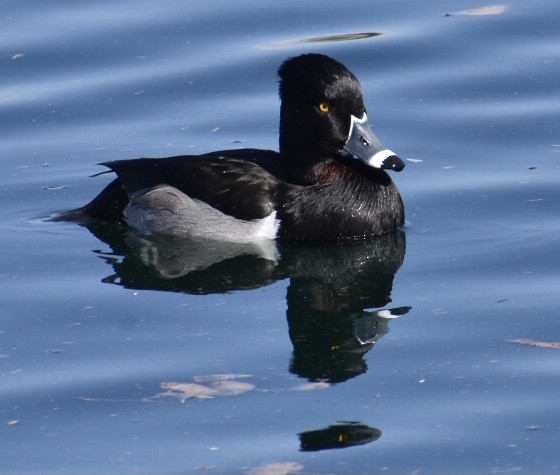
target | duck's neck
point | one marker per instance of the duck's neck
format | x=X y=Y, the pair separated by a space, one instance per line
x=305 y=169
x=306 y=166
x=303 y=154
x=321 y=172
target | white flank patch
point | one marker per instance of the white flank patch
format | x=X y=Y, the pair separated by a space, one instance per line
x=268 y=227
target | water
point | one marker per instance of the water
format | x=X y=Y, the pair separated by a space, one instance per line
x=105 y=339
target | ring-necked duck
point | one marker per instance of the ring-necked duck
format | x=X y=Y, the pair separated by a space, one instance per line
x=328 y=183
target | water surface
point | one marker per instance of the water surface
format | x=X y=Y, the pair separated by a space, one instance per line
x=121 y=355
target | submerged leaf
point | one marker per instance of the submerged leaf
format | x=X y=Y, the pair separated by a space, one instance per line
x=279 y=468
x=219 y=377
x=187 y=390
x=321 y=39
x=231 y=388
x=312 y=386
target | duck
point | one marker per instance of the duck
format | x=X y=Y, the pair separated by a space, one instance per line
x=327 y=183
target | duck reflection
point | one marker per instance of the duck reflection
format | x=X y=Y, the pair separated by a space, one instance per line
x=174 y=264
x=332 y=297
x=338 y=436
x=337 y=298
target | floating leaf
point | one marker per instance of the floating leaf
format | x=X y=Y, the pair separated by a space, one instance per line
x=484 y=11
x=540 y=344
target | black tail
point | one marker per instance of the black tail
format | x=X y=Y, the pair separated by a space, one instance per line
x=107 y=206
x=78 y=214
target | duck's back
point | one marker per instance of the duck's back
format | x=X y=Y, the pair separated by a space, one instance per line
x=239 y=183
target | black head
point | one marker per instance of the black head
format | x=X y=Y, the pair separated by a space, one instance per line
x=323 y=116
x=319 y=95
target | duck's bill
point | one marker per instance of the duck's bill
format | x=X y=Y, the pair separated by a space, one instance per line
x=362 y=144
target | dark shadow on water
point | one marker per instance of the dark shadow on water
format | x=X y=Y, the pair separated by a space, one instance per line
x=338 y=436
x=337 y=299
x=321 y=39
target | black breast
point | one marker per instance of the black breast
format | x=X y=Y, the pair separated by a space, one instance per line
x=356 y=207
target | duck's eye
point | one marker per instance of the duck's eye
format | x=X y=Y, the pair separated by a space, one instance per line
x=324 y=107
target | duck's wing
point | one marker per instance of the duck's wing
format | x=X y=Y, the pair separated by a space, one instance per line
x=267 y=159
x=236 y=187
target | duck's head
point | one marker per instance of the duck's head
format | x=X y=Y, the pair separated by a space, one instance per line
x=323 y=115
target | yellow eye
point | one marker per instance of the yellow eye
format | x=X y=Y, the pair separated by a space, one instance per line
x=324 y=107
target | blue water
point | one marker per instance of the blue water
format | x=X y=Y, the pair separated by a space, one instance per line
x=97 y=325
